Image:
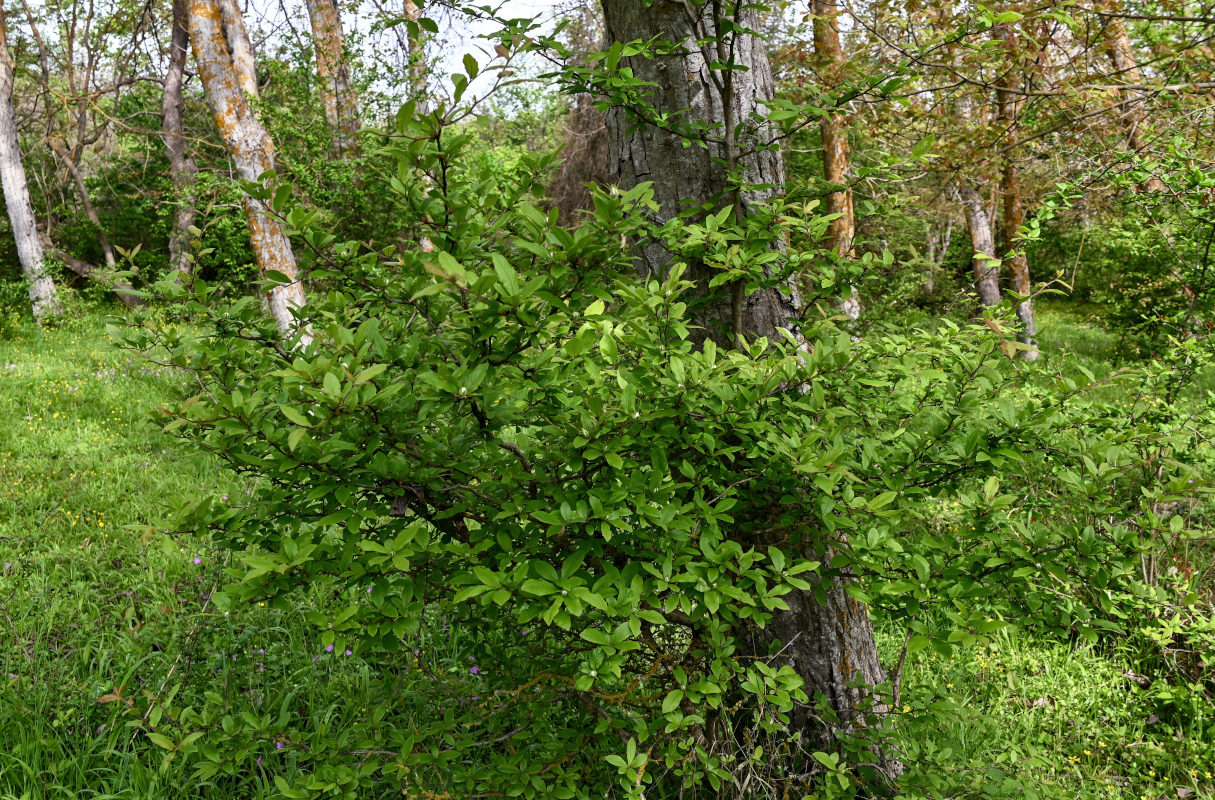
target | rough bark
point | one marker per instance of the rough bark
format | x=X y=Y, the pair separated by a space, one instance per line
x=239 y=47
x=252 y=152
x=683 y=175
x=983 y=245
x=337 y=95
x=830 y=644
x=833 y=129
x=44 y=300
x=1010 y=191
x=182 y=168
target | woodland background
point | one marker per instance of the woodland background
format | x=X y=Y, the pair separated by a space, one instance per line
x=346 y=453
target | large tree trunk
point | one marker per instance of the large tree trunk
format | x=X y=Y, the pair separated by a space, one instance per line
x=182 y=168
x=43 y=297
x=239 y=47
x=834 y=132
x=830 y=644
x=687 y=87
x=341 y=107
x=982 y=242
x=1010 y=190
x=252 y=152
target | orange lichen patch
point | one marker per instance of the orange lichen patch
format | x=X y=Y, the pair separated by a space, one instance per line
x=250 y=147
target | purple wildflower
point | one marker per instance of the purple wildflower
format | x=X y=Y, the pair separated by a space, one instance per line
x=329 y=648
x=197 y=560
x=278 y=745
x=474 y=670
x=349 y=652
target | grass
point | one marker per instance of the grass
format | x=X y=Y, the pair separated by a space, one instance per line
x=109 y=636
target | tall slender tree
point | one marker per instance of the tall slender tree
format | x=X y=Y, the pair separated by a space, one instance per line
x=182 y=168
x=43 y=297
x=982 y=243
x=225 y=80
x=825 y=634
x=333 y=68
x=1013 y=216
x=833 y=129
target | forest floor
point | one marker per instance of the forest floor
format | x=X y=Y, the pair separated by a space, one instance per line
x=98 y=616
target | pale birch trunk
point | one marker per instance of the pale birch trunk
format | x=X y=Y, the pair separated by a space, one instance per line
x=830 y=644
x=982 y=243
x=44 y=300
x=182 y=169
x=1010 y=190
x=252 y=152
x=337 y=95
x=834 y=132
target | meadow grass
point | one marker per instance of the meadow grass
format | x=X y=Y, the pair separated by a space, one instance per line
x=104 y=623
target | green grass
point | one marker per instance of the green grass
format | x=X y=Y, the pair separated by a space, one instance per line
x=107 y=636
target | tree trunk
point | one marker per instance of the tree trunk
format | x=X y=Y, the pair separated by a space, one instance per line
x=830 y=644
x=239 y=47
x=834 y=132
x=1010 y=190
x=1126 y=69
x=252 y=152
x=982 y=242
x=417 y=88
x=417 y=57
x=341 y=107
x=124 y=290
x=182 y=168
x=43 y=298
x=686 y=86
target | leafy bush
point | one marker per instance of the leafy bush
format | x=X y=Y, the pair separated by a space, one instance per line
x=514 y=441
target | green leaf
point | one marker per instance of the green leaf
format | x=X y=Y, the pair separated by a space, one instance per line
x=295 y=416
x=366 y=375
x=538 y=588
x=160 y=740
x=507 y=277
x=882 y=500
x=596 y=636
x=672 y=701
